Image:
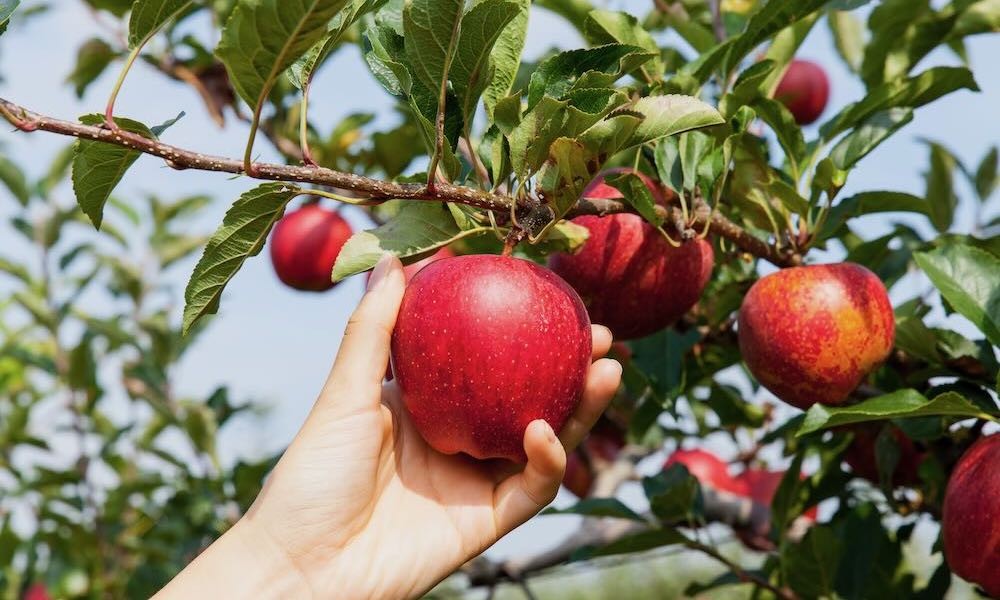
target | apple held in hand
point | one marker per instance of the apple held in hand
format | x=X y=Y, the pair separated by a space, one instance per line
x=971 y=523
x=805 y=90
x=811 y=334
x=631 y=279
x=708 y=469
x=304 y=246
x=483 y=345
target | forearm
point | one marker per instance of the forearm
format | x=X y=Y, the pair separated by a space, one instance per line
x=240 y=564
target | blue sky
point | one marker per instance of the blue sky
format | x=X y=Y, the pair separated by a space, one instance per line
x=275 y=346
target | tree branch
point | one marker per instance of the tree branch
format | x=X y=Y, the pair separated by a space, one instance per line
x=375 y=189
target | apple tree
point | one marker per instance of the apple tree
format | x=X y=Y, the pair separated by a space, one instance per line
x=682 y=171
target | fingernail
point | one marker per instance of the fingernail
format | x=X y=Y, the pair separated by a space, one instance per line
x=380 y=271
x=550 y=436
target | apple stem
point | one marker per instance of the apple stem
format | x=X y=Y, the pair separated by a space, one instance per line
x=513 y=238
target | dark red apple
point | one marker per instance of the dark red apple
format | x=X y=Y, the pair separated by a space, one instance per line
x=860 y=456
x=484 y=345
x=630 y=278
x=812 y=334
x=805 y=90
x=602 y=446
x=761 y=485
x=708 y=469
x=36 y=591
x=971 y=523
x=304 y=246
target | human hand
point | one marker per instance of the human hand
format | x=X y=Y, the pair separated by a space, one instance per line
x=360 y=506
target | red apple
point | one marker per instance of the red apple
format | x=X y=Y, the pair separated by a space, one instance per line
x=631 y=279
x=579 y=476
x=305 y=244
x=761 y=486
x=971 y=523
x=805 y=90
x=708 y=469
x=484 y=345
x=860 y=456
x=812 y=334
x=602 y=446
x=36 y=591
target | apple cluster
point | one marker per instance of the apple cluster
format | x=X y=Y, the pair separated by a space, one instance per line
x=485 y=344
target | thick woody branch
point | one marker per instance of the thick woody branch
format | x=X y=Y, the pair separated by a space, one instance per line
x=375 y=189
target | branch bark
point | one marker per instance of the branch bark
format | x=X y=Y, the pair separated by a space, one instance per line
x=374 y=189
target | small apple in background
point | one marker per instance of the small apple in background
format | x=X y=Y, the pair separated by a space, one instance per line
x=36 y=591
x=971 y=523
x=805 y=90
x=483 y=346
x=631 y=279
x=811 y=334
x=761 y=485
x=304 y=246
x=601 y=446
x=708 y=469
x=861 y=456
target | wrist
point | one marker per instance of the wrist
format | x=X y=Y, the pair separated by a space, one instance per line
x=244 y=563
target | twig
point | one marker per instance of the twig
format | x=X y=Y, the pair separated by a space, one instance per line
x=374 y=189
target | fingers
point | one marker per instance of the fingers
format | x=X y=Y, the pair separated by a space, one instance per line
x=602 y=340
x=519 y=497
x=357 y=373
x=601 y=384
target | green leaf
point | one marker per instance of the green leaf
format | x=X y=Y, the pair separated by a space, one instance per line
x=98 y=167
x=639 y=542
x=606 y=27
x=598 y=507
x=940 y=192
x=782 y=50
x=810 y=566
x=148 y=16
x=848 y=37
x=12 y=176
x=913 y=92
x=507 y=57
x=564 y=175
x=302 y=70
x=896 y=405
x=782 y=123
x=471 y=70
x=867 y=136
x=92 y=59
x=986 y=175
x=7 y=8
x=418 y=229
x=590 y=67
x=769 y=20
x=967 y=278
x=674 y=494
x=241 y=235
x=869 y=203
x=262 y=38
x=430 y=33
x=670 y=115
x=635 y=193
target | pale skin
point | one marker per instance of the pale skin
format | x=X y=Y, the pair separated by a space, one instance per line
x=359 y=506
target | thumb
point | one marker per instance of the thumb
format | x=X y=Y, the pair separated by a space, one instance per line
x=520 y=496
x=355 y=380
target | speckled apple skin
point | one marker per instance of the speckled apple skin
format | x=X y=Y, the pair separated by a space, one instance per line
x=971 y=522
x=811 y=334
x=483 y=346
x=708 y=469
x=630 y=278
x=805 y=90
x=304 y=246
